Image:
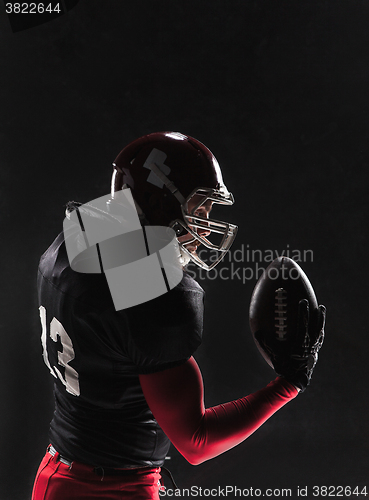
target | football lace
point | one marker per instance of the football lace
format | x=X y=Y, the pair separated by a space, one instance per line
x=280 y=311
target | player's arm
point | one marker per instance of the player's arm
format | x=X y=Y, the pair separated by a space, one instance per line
x=176 y=398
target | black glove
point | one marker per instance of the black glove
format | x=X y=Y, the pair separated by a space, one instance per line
x=295 y=360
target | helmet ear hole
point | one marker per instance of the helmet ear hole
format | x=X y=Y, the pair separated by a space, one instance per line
x=154 y=201
x=157 y=209
x=147 y=197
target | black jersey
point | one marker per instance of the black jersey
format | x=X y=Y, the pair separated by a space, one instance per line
x=96 y=353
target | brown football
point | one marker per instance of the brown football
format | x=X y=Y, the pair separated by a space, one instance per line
x=274 y=303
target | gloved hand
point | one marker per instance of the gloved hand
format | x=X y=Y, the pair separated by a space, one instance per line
x=295 y=360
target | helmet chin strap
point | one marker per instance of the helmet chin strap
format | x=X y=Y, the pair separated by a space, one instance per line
x=184 y=258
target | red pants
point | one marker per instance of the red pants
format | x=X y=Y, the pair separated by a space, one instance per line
x=57 y=481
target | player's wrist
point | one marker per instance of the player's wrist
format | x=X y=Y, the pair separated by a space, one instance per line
x=284 y=386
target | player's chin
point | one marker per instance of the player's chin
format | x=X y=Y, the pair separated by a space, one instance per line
x=191 y=248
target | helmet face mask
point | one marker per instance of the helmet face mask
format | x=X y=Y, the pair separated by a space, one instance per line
x=164 y=172
x=215 y=235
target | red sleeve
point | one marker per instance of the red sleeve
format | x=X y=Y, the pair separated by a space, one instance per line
x=176 y=398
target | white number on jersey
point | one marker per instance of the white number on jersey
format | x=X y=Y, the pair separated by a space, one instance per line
x=70 y=379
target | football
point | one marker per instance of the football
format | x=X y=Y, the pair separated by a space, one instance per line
x=274 y=306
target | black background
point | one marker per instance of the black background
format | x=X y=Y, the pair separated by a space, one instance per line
x=278 y=90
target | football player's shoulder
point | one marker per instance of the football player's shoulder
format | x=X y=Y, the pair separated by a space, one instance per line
x=56 y=274
x=179 y=305
x=49 y=257
x=169 y=327
x=173 y=308
x=189 y=283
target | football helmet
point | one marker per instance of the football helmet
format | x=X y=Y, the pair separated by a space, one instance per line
x=171 y=177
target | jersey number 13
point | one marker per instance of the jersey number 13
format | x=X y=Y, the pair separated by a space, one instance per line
x=70 y=379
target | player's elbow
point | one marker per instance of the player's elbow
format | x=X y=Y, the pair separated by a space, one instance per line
x=195 y=449
x=194 y=457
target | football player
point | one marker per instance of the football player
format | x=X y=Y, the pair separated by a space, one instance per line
x=126 y=382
